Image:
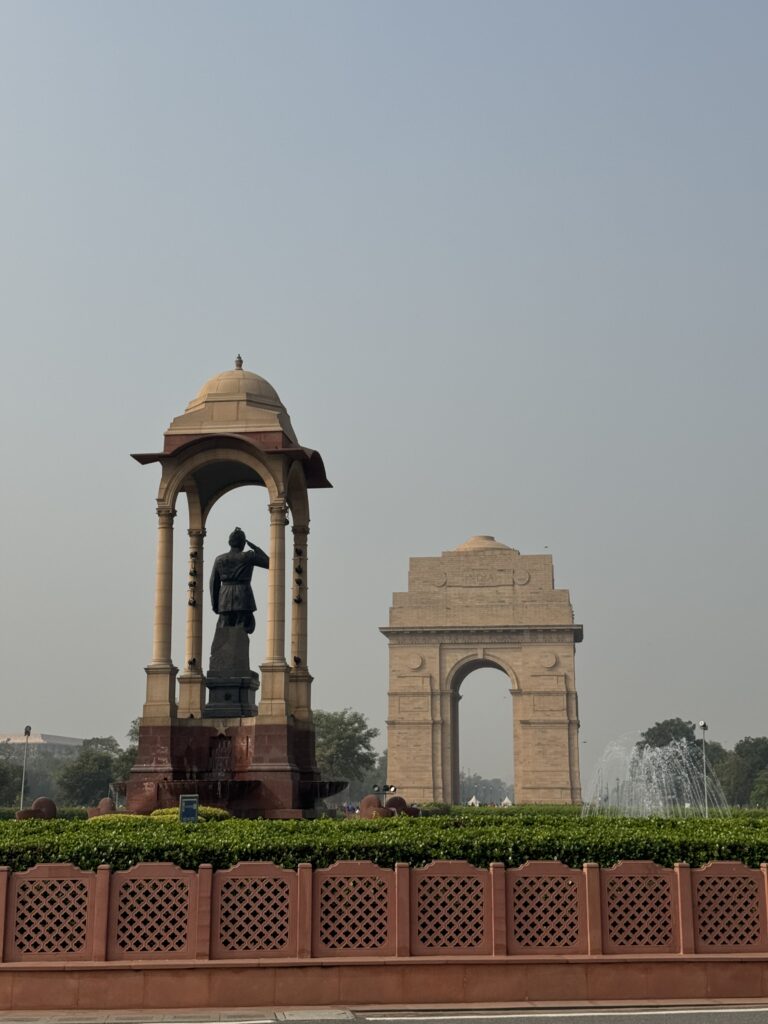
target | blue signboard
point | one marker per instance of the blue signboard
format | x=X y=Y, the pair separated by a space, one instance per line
x=188 y=806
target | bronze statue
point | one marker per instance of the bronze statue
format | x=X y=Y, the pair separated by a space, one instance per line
x=231 y=594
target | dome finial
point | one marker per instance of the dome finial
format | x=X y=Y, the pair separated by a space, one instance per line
x=239 y=362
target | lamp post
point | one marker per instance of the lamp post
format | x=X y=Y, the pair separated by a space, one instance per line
x=703 y=726
x=27 y=731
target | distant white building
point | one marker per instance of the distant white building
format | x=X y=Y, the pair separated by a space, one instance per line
x=43 y=741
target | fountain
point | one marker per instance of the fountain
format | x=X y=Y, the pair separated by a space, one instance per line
x=635 y=781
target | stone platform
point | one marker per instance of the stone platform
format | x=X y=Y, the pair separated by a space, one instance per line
x=251 y=767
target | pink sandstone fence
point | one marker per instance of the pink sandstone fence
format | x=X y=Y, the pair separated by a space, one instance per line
x=56 y=912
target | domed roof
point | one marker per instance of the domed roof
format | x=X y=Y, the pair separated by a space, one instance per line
x=235 y=401
x=483 y=542
x=236 y=382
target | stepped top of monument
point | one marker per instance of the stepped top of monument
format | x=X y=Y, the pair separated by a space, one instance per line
x=481 y=583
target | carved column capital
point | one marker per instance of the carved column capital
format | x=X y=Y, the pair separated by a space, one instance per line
x=278 y=509
x=196 y=532
x=165 y=516
x=300 y=531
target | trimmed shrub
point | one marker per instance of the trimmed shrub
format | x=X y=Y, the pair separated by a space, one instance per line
x=66 y=813
x=117 y=816
x=480 y=838
x=203 y=813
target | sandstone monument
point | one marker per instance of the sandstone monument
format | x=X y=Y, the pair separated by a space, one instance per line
x=482 y=605
x=253 y=761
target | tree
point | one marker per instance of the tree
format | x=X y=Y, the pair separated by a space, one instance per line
x=758 y=796
x=10 y=777
x=86 y=779
x=740 y=771
x=126 y=759
x=43 y=768
x=343 y=744
x=102 y=744
x=663 y=733
x=753 y=750
x=716 y=755
x=487 y=791
x=375 y=776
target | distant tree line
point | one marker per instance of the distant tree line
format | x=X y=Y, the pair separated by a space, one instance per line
x=742 y=772
x=79 y=777
x=83 y=775
x=344 y=750
x=487 y=791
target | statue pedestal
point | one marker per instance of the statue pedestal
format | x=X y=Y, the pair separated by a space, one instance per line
x=252 y=767
x=231 y=684
x=231 y=698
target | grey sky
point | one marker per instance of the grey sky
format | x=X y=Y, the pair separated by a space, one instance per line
x=505 y=264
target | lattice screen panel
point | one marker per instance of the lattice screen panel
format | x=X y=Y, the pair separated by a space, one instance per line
x=450 y=911
x=254 y=914
x=353 y=912
x=545 y=912
x=639 y=910
x=51 y=917
x=153 y=915
x=727 y=911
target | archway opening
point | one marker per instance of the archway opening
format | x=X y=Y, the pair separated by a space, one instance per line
x=483 y=735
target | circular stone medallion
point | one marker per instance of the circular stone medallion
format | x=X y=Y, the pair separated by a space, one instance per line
x=415 y=661
x=548 y=660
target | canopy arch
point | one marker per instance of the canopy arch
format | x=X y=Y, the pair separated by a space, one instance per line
x=216 y=468
x=234 y=433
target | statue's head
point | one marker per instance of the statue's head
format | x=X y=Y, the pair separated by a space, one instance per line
x=237 y=539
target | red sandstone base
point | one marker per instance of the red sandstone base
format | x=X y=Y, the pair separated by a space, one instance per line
x=440 y=981
x=249 y=767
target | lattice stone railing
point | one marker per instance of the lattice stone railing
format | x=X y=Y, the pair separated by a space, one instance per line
x=352 y=915
x=729 y=908
x=256 y=911
x=450 y=909
x=640 y=908
x=546 y=909
x=151 y=908
x=51 y=914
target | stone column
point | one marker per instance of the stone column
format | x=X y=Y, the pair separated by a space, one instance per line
x=301 y=680
x=161 y=673
x=191 y=681
x=274 y=671
x=276 y=586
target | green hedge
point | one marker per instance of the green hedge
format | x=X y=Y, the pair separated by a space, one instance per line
x=68 y=813
x=477 y=837
x=203 y=814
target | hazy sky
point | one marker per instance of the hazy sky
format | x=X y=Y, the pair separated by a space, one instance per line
x=505 y=264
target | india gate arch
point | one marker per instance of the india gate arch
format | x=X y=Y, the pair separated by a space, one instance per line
x=482 y=605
